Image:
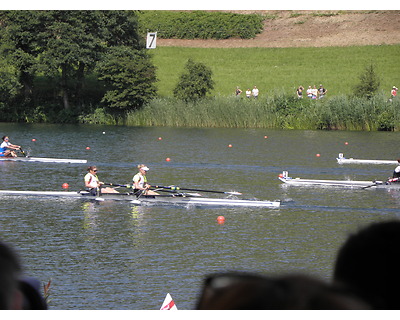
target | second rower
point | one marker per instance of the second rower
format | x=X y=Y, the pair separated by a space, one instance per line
x=140 y=185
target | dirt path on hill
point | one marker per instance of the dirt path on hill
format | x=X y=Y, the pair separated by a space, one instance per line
x=312 y=29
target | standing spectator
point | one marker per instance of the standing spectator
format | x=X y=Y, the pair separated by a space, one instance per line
x=393 y=93
x=314 y=92
x=321 y=92
x=238 y=91
x=300 y=90
x=309 y=92
x=255 y=92
x=248 y=93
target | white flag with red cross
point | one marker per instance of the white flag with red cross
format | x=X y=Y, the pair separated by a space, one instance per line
x=168 y=303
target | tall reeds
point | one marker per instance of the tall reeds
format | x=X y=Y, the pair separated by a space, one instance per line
x=280 y=111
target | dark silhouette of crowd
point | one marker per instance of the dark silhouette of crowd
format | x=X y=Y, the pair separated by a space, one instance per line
x=365 y=277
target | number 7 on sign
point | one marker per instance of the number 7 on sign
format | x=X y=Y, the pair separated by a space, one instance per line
x=151 y=40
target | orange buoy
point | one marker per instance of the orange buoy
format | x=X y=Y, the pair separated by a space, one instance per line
x=87 y=148
x=159 y=138
x=33 y=139
x=229 y=146
x=65 y=185
x=317 y=155
x=346 y=143
x=265 y=137
x=221 y=219
x=168 y=159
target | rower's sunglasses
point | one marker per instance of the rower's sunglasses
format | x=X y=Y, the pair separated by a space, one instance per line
x=95 y=170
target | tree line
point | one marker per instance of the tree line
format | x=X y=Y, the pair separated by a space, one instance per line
x=71 y=62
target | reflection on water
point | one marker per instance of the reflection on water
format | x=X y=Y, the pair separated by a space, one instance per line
x=115 y=255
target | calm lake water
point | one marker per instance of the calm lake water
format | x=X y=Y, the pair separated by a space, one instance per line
x=118 y=256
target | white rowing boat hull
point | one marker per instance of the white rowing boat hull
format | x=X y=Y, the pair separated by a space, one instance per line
x=36 y=159
x=158 y=200
x=342 y=160
x=336 y=183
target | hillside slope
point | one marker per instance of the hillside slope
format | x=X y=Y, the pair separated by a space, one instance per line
x=312 y=29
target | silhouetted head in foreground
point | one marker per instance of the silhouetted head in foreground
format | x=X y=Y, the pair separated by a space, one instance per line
x=367 y=263
x=245 y=291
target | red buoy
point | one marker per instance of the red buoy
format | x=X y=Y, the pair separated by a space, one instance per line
x=65 y=185
x=221 y=219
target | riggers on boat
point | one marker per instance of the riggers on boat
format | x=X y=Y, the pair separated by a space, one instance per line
x=170 y=199
x=390 y=183
x=342 y=160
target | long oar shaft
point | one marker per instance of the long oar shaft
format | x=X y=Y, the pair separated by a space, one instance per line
x=118 y=185
x=197 y=190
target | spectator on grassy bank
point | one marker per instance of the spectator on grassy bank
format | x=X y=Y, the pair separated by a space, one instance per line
x=255 y=92
x=393 y=93
x=299 y=92
x=248 y=93
x=238 y=92
x=321 y=91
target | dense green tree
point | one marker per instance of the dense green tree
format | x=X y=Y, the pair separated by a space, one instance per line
x=369 y=83
x=129 y=76
x=72 y=46
x=20 y=33
x=195 y=83
x=65 y=46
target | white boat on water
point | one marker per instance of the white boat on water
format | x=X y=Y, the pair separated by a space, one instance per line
x=284 y=177
x=36 y=159
x=342 y=160
x=170 y=199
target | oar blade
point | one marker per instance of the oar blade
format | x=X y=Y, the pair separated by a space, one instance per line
x=234 y=193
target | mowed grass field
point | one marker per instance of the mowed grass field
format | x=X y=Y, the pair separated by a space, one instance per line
x=275 y=70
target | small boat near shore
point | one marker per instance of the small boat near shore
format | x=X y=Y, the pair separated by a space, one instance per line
x=284 y=177
x=342 y=160
x=170 y=199
x=36 y=159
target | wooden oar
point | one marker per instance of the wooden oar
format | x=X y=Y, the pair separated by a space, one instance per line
x=198 y=190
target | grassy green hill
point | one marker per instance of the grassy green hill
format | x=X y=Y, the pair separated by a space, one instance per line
x=280 y=69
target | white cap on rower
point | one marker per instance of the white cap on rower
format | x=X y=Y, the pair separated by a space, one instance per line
x=145 y=168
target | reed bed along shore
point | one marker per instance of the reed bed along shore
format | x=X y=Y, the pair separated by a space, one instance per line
x=282 y=111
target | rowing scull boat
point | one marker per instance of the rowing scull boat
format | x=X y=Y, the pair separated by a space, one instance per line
x=284 y=177
x=342 y=160
x=36 y=159
x=173 y=199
